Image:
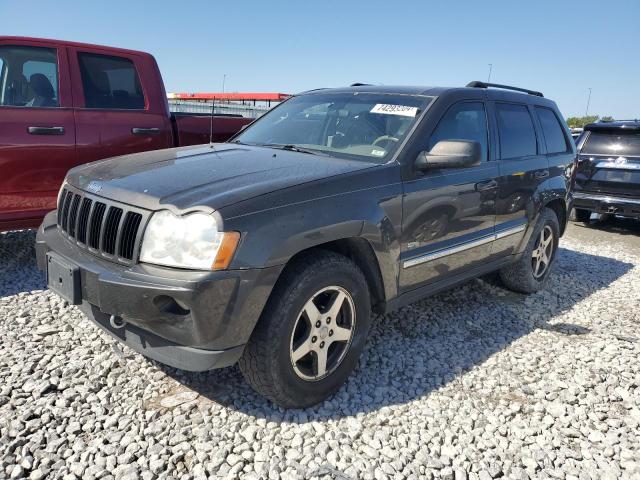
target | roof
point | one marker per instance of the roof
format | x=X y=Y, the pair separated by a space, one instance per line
x=615 y=125
x=67 y=43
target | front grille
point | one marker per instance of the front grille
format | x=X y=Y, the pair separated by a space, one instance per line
x=103 y=227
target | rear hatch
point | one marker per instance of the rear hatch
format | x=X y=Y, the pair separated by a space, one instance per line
x=609 y=162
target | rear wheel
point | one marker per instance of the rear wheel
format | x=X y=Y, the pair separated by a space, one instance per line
x=581 y=215
x=530 y=273
x=311 y=333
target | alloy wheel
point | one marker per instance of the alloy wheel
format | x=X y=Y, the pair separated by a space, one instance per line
x=322 y=333
x=542 y=252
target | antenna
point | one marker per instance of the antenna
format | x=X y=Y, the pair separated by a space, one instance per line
x=213 y=109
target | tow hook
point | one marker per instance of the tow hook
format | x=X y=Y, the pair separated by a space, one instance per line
x=612 y=209
x=117 y=322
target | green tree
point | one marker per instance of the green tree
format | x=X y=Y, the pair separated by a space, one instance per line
x=579 y=122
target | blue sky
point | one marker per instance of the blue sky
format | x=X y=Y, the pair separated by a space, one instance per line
x=559 y=47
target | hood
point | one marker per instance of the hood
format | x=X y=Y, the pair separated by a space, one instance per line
x=211 y=176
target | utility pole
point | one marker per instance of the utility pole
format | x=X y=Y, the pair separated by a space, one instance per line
x=490 y=68
x=224 y=79
x=586 y=113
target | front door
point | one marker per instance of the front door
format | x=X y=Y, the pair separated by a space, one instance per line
x=37 y=133
x=449 y=214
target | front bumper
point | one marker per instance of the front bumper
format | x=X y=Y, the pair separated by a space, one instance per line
x=191 y=320
x=607 y=204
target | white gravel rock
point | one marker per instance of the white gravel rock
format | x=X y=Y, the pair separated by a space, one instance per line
x=474 y=383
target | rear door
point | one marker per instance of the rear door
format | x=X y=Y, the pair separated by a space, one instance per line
x=37 y=131
x=523 y=167
x=609 y=163
x=449 y=214
x=117 y=109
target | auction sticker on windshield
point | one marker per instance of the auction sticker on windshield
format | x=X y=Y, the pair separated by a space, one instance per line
x=389 y=109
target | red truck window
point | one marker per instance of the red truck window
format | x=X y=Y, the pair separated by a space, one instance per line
x=28 y=77
x=110 y=82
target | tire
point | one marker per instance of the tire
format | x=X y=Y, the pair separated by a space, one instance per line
x=286 y=329
x=580 y=215
x=522 y=276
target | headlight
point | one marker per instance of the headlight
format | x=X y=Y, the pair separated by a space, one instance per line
x=189 y=241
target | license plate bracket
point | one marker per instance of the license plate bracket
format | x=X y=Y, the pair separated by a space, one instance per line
x=63 y=278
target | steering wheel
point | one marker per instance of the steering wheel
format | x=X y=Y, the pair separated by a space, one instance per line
x=385 y=138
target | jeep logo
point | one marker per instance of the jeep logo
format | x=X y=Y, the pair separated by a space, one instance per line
x=94 y=187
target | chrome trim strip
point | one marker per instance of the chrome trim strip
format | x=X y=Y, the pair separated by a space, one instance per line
x=605 y=198
x=447 y=251
x=511 y=231
x=412 y=262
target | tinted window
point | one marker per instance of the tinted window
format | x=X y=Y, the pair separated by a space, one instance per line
x=110 y=82
x=463 y=121
x=517 y=136
x=614 y=144
x=552 y=131
x=29 y=77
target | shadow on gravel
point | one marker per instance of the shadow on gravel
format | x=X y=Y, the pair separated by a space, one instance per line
x=612 y=224
x=18 y=271
x=430 y=343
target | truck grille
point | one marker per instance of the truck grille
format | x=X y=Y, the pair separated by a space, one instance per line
x=109 y=229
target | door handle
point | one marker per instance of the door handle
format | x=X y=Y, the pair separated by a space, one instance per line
x=145 y=131
x=541 y=174
x=46 y=130
x=488 y=185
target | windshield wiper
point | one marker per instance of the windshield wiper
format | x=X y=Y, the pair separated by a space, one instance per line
x=294 y=148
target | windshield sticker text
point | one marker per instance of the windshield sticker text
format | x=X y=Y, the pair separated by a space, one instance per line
x=388 y=109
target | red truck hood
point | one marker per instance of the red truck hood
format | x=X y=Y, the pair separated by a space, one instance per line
x=204 y=176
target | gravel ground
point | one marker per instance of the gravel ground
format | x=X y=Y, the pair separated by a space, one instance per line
x=477 y=382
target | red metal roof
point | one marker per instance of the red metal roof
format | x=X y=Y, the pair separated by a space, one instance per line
x=260 y=97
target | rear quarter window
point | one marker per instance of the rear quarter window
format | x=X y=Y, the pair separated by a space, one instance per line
x=554 y=136
x=516 y=131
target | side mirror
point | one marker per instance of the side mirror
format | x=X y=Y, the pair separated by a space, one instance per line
x=450 y=154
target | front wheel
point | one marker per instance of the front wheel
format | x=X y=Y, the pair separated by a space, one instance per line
x=311 y=333
x=531 y=272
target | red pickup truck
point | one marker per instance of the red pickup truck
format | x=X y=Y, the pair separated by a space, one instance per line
x=65 y=103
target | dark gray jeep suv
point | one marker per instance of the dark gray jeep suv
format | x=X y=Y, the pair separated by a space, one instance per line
x=275 y=248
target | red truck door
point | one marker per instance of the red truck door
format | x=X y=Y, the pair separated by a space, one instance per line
x=120 y=103
x=37 y=131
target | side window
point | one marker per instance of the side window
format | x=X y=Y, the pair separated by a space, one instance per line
x=28 y=76
x=463 y=121
x=110 y=82
x=517 y=135
x=553 y=135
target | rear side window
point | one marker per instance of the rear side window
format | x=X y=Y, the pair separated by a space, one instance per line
x=553 y=135
x=517 y=135
x=110 y=82
x=614 y=144
x=463 y=121
x=28 y=76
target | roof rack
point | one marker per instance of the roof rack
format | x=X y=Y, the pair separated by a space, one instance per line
x=358 y=84
x=477 y=84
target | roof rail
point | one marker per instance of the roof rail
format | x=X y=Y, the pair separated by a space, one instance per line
x=477 y=84
x=358 y=84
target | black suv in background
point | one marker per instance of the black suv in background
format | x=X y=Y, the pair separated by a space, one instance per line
x=274 y=249
x=608 y=173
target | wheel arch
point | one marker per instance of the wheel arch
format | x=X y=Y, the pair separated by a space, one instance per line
x=360 y=251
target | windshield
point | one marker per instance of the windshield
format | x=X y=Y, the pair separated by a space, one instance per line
x=361 y=126
x=627 y=144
